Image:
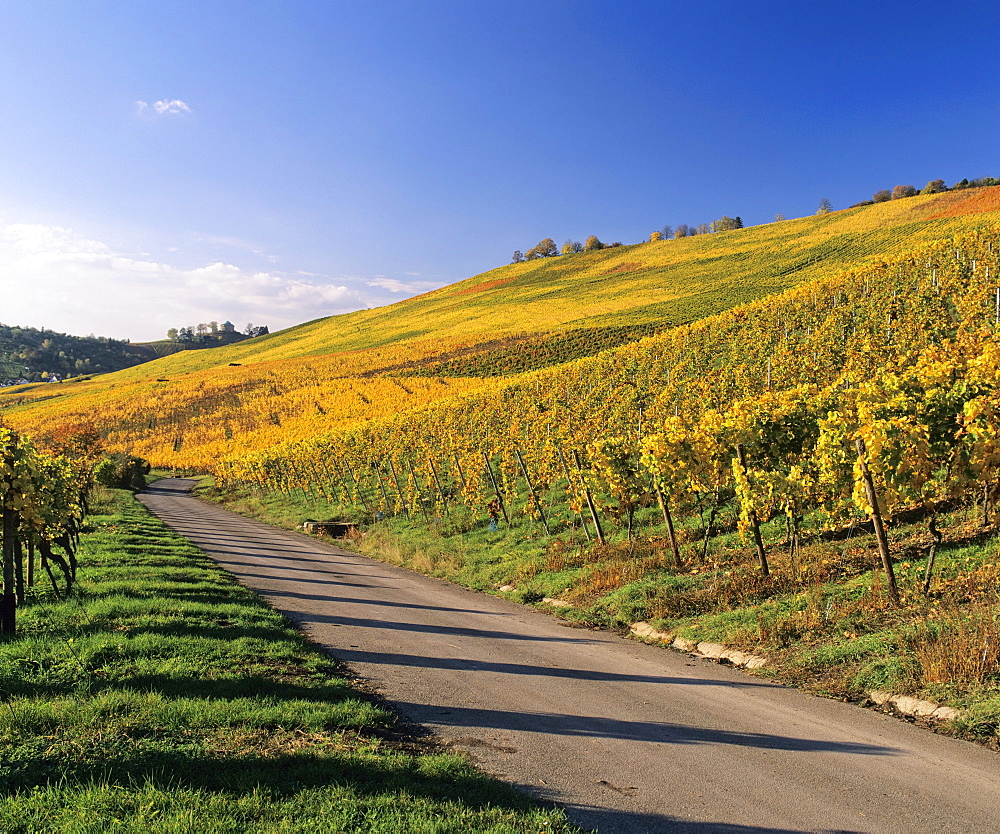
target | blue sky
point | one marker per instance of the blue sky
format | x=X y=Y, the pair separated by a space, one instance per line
x=166 y=163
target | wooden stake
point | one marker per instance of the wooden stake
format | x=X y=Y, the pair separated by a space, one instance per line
x=741 y=454
x=357 y=486
x=420 y=500
x=876 y=516
x=402 y=498
x=590 y=500
x=932 y=526
x=496 y=490
x=668 y=519
x=461 y=474
x=531 y=490
x=711 y=522
x=437 y=483
x=381 y=484
x=8 y=601
x=18 y=570
x=569 y=480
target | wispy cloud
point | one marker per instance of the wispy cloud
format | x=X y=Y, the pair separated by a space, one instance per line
x=163 y=107
x=392 y=285
x=237 y=243
x=53 y=277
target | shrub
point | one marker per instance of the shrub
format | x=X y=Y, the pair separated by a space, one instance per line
x=121 y=471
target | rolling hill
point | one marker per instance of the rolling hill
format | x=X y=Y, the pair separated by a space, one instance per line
x=194 y=409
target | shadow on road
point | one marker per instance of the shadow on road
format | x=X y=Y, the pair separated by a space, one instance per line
x=608 y=821
x=354 y=601
x=426 y=628
x=463 y=665
x=657 y=732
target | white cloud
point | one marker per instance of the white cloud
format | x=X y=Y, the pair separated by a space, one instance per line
x=392 y=285
x=53 y=277
x=163 y=107
x=174 y=105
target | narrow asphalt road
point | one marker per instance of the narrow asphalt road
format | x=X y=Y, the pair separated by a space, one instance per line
x=628 y=737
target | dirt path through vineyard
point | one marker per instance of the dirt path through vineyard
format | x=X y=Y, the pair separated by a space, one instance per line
x=628 y=737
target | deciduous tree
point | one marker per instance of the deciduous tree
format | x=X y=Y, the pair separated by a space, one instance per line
x=726 y=224
x=545 y=248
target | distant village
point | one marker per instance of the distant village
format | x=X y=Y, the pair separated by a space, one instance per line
x=29 y=355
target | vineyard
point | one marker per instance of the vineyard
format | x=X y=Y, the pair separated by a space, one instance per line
x=195 y=408
x=766 y=401
x=43 y=499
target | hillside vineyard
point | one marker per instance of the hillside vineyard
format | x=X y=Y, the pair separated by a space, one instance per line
x=901 y=355
x=767 y=400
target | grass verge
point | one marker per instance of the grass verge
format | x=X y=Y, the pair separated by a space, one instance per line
x=166 y=697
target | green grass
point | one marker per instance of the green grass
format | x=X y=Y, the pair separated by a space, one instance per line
x=166 y=697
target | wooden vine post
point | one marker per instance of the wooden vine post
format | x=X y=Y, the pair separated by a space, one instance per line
x=31 y=564
x=18 y=569
x=569 y=480
x=437 y=483
x=416 y=486
x=399 y=491
x=381 y=484
x=8 y=600
x=876 y=516
x=590 y=500
x=531 y=491
x=357 y=486
x=461 y=474
x=669 y=521
x=935 y=544
x=741 y=454
x=496 y=490
x=328 y=484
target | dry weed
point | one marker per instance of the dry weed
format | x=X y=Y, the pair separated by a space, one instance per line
x=959 y=646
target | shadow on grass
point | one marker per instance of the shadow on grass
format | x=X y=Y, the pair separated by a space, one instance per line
x=223 y=596
x=128 y=764
x=333 y=690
